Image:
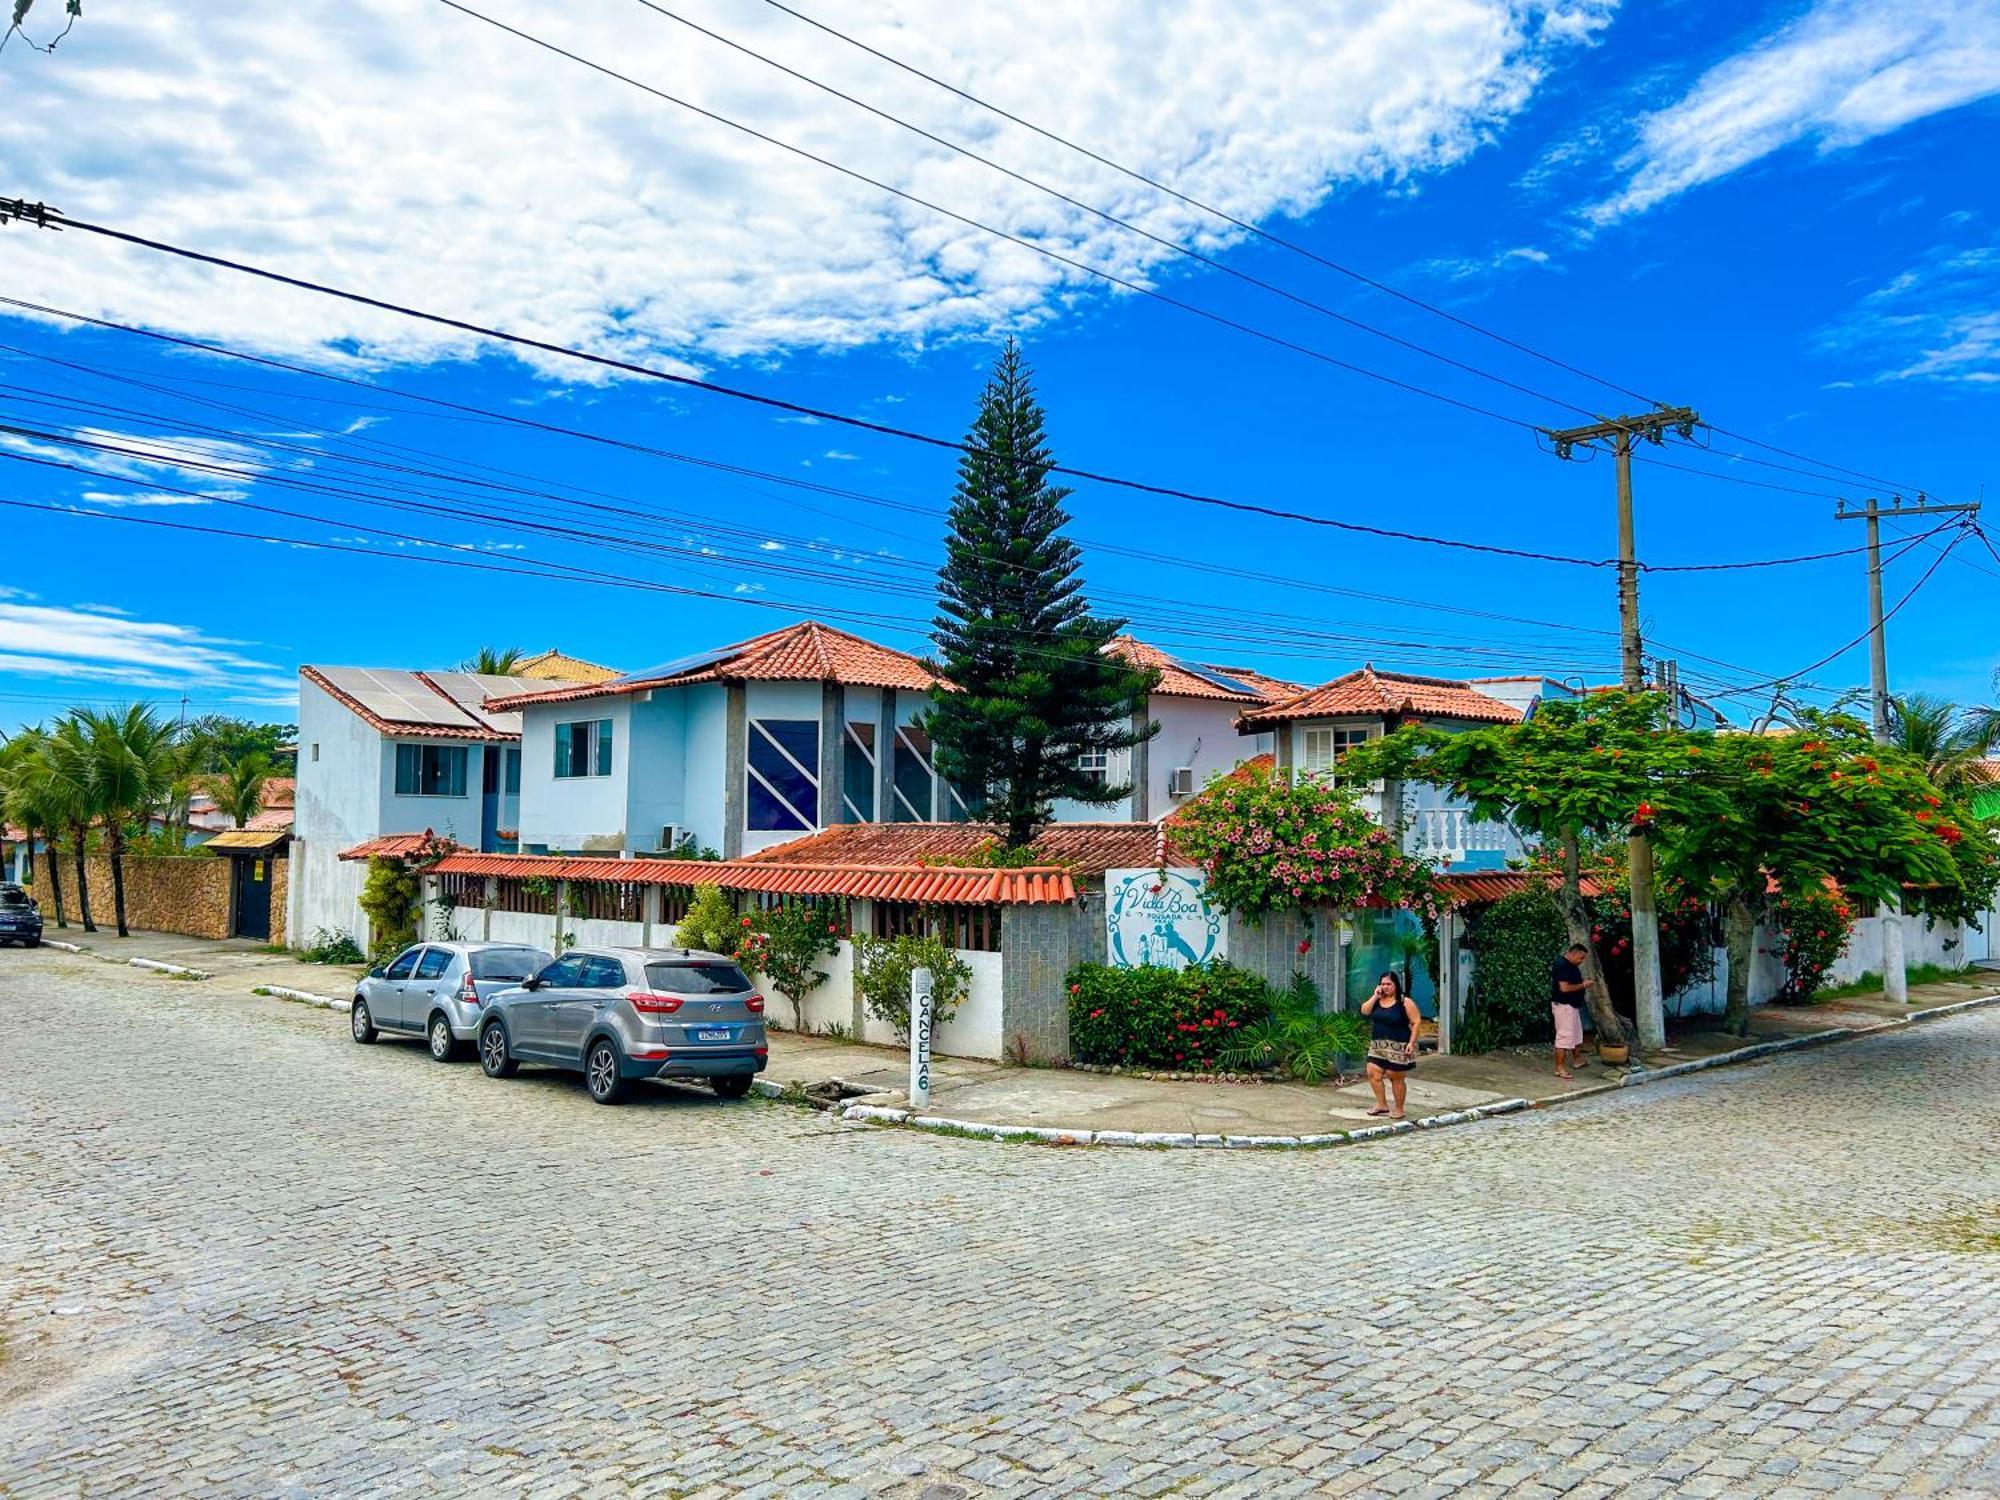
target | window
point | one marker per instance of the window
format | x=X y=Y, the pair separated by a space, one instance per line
x=433 y=964
x=1323 y=748
x=603 y=974
x=857 y=781
x=564 y=973
x=1095 y=765
x=582 y=749
x=315 y=755
x=509 y=964
x=512 y=780
x=783 y=784
x=912 y=783
x=405 y=962
x=430 y=770
x=697 y=979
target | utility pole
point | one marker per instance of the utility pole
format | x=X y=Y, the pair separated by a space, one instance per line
x=1895 y=980
x=1649 y=1004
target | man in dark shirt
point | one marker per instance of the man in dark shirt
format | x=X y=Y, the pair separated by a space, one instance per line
x=1566 y=986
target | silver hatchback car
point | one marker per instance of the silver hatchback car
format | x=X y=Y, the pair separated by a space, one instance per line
x=438 y=991
x=618 y=1014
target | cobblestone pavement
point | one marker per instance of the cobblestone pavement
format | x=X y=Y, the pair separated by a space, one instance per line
x=241 y=1256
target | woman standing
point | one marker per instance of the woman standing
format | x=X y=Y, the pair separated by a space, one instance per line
x=1394 y=1018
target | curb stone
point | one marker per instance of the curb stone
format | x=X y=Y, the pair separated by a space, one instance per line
x=159 y=966
x=65 y=947
x=304 y=997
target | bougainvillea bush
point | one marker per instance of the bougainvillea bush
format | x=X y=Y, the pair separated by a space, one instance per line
x=1268 y=843
x=1153 y=1017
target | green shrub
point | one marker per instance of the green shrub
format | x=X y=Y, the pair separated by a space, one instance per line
x=711 y=922
x=1513 y=943
x=1154 y=1017
x=883 y=967
x=329 y=946
x=392 y=899
x=1298 y=1038
x=795 y=939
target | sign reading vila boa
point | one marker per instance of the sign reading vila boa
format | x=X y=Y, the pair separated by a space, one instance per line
x=1162 y=917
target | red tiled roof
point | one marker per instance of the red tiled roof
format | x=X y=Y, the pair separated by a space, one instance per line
x=1477 y=887
x=806 y=652
x=1984 y=772
x=1372 y=693
x=1081 y=848
x=1176 y=680
x=1035 y=885
x=396 y=846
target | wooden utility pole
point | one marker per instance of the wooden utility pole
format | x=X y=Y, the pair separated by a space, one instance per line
x=1649 y=1004
x=1895 y=980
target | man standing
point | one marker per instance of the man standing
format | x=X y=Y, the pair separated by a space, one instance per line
x=1566 y=986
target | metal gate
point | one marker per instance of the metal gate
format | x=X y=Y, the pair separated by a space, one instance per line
x=252 y=897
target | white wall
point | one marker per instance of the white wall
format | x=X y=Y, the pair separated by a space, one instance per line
x=583 y=814
x=1197 y=732
x=656 y=782
x=974 y=1029
x=705 y=740
x=338 y=805
x=829 y=1005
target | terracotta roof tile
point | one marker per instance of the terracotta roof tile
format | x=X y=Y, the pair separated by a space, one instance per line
x=806 y=652
x=1084 y=848
x=1036 y=885
x=553 y=666
x=1477 y=887
x=396 y=846
x=1374 y=693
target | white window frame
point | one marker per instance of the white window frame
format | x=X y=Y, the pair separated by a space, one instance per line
x=599 y=733
x=1096 y=764
x=1322 y=761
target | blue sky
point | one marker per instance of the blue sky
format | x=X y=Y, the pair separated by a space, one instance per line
x=1784 y=216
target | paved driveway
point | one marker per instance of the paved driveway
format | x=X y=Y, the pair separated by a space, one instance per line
x=241 y=1256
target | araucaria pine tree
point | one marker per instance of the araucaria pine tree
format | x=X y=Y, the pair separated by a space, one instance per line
x=1032 y=687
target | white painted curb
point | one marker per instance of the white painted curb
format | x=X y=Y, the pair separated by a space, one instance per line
x=304 y=997
x=179 y=971
x=49 y=942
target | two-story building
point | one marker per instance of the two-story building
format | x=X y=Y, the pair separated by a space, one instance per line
x=1197 y=706
x=385 y=751
x=1314 y=729
x=731 y=750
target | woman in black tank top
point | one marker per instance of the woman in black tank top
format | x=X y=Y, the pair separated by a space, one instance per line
x=1392 y=1051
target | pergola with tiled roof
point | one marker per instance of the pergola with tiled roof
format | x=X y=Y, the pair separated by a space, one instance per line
x=806 y=652
x=1385 y=694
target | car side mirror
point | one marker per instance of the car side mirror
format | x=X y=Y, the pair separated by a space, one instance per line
x=377 y=972
x=532 y=982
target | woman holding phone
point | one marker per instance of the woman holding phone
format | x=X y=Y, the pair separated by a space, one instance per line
x=1393 y=1019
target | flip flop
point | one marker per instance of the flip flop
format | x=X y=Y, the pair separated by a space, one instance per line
x=1378 y=1112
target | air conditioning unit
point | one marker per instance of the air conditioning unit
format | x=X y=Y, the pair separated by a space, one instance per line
x=1182 y=782
x=671 y=835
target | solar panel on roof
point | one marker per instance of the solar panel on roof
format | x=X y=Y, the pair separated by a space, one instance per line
x=398 y=697
x=1210 y=675
x=679 y=665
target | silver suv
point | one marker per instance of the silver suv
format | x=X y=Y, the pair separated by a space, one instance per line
x=438 y=991
x=616 y=1014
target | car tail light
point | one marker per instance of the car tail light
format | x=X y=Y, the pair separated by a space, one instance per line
x=647 y=1003
x=649 y=1054
x=469 y=992
x=755 y=1004
x=760 y=1051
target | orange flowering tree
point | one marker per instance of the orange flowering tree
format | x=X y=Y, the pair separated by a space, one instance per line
x=1790 y=812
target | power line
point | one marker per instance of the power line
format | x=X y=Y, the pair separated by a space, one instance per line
x=1228 y=218
x=1111 y=218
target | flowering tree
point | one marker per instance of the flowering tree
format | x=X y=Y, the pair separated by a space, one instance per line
x=1793 y=811
x=1270 y=844
x=1580 y=770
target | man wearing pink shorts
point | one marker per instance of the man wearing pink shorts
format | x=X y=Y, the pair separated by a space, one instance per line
x=1566 y=986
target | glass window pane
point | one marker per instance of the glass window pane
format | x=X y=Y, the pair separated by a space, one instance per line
x=511 y=964
x=564 y=973
x=603 y=747
x=406 y=770
x=783 y=780
x=697 y=979
x=405 y=961
x=913 y=777
x=434 y=962
x=513 y=771
x=858 y=780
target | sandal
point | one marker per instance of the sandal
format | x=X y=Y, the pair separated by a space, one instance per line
x=1395 y=1117
x=1377 y=1112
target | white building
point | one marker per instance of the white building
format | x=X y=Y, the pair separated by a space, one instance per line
x=732 y=750
x=1315 y=728
x=1196 y=706
x=383 y=751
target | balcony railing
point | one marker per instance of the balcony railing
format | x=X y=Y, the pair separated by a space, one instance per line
x=1449 y=834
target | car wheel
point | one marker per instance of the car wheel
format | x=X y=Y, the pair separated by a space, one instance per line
x=493 y=1055
x=600 y=1072
x=360 y=1022
x=733 y=1087
x=32 y=943
x=444 y=1046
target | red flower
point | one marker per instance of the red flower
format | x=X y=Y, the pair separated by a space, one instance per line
x=1075 y=988
x=1305 y=944
x=746 y=921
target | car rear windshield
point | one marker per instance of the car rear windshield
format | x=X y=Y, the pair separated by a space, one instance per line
x=13 y=896
x=507 y=963
x=697 y=979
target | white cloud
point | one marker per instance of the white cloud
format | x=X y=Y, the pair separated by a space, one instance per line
x=85 y=643
x=1937 y=322
x=130 y=498
x=840 y=456
x=1844 y=72
x=423 y=157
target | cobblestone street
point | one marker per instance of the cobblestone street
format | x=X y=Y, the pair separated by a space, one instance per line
x=240 y=1255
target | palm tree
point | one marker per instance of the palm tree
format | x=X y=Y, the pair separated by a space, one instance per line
x=239 y=791
x=1932 y=729
x=22 y=802
x=1982 y=722
x=493 y=661
x=62 y=774
x=130 y=761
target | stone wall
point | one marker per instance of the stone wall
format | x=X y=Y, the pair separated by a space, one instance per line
x=1039 y=945
x=281 y=871
x=183 y=894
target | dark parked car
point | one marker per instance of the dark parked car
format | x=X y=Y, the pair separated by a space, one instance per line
x=20 y=917
x=616 y=1014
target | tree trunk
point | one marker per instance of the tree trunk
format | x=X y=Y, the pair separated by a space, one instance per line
x=1576 y=918
x=55 y=872
x=1739 y=934
x=80 y=834
x=114 y=837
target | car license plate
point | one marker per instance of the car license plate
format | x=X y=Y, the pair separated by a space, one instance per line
x=713 y=1034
